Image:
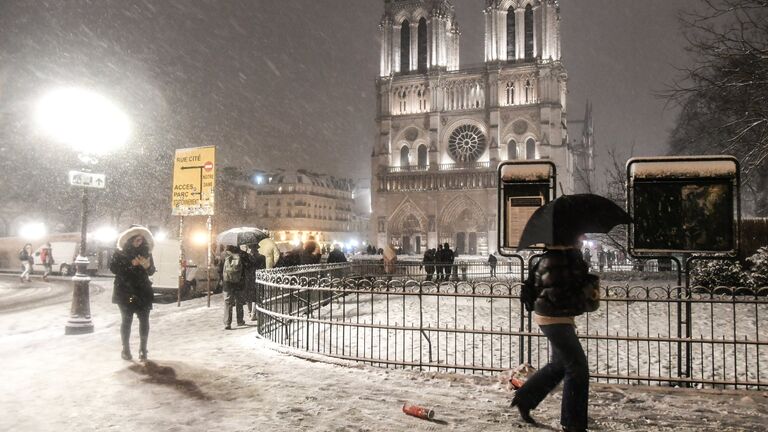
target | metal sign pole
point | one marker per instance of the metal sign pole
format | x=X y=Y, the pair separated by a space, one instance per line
x=209 y=259
x=182 y=276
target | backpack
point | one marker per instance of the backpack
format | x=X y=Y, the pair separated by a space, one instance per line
x=44 y=256
x=233 y=269
x=23 y=255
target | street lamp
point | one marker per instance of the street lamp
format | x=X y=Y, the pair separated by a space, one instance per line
x=93 y=126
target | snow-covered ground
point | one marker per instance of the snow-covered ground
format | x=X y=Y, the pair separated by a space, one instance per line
x=202 y=378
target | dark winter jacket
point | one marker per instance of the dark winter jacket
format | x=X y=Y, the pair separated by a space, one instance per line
x=336 y=256
x=246 y=265
x=132 y=284
x=310 y=254
x=429 y=261
x=554 y=284
x=445 y=256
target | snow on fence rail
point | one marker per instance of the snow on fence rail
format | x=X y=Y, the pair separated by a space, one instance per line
x=638 y=335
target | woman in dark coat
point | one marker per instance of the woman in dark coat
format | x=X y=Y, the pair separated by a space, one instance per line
x=554 y=293
x=132 y=265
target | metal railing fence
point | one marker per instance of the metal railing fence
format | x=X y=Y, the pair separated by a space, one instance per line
x=351 y=311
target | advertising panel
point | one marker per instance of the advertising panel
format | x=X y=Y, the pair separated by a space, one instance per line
x=681 y=205
x=524 y=186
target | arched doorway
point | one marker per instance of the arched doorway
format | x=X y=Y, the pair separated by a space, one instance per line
x=464 y=227
x=407 y=228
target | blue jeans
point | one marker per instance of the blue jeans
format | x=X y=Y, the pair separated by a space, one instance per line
x=568 y=364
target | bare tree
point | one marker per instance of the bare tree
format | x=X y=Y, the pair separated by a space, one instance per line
x=724 y=94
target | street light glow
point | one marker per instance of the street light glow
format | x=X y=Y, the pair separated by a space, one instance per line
x=200 y=238
x=106 y=234
x=33 y=231
x=82 y=119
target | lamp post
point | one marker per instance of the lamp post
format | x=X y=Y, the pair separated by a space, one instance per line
x=92 y=126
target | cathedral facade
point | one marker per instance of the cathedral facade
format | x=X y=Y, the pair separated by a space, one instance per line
x=443 y=129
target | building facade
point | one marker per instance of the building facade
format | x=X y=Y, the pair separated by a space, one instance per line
x=442 y=129
x=294 y=205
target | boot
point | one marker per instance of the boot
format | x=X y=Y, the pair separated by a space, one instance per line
x=525 y=413
x=143 y=355
x=126 y=354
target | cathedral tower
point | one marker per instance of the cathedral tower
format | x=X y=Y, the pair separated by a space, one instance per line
x=442 y=130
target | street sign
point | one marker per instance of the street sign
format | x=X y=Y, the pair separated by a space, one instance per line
x=194 y=181
x=84 y=179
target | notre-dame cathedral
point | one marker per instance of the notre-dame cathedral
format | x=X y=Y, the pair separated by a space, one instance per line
x=443 y=129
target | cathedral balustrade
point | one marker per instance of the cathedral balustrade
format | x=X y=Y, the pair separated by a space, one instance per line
x=447 y=179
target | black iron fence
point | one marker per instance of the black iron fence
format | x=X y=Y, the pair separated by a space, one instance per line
x=357 y=312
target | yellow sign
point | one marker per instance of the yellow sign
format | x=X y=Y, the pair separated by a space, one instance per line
x=194 y=181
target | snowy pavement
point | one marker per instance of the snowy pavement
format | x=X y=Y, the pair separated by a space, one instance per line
x=202 y=378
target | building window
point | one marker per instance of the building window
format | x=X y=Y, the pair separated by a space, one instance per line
x=405 y=46
x=422 y=45
x=466 y=143
x=528 y=19
x=512 y=150
x=510 y=93
x=511 y=33
x=528 y=92
x=404 y=156
x=422 y=156
x=530 y=149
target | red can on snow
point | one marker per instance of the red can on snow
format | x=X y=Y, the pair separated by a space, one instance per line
x=418 y=411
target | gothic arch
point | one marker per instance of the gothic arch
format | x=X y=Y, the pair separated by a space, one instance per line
x=509 y=133
x=401 y=215
x=411 y=134
x=464 y=225
x=450 y=219
x=447 y=129
x=405 y=46
x=407 y=227
x=529 y=47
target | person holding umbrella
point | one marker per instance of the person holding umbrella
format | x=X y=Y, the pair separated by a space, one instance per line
x=554 y=292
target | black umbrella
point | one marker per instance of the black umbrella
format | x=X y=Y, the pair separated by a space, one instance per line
x=562 y=221
x=241 y=236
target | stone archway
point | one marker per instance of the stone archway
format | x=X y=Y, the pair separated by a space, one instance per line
x=407 y=228
x=463 y=225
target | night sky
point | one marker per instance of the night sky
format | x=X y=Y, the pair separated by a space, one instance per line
x=290 y=83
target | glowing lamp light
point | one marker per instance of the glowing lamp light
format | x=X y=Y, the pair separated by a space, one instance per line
x=105 y=235
x=82 y=119
x=33 y=231
x=200 y=238
x=161 y=236
x=296 y=242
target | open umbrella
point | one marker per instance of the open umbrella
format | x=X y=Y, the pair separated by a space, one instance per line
x=240 y=236
x=564 y=220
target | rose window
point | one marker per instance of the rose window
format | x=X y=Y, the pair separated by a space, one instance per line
x=466 y=143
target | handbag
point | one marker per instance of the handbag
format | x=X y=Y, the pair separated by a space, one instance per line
x=590 y=292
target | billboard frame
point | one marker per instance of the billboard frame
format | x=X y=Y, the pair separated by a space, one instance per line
x=501 y=213
x=734 y=182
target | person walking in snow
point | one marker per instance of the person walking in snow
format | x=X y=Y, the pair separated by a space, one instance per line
x=46 y=258
x=233 y=274
x=27 y=259
x=492 y=260
x=428 y=262
x=132 y=265
x=254 y=261
x=553 y=291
